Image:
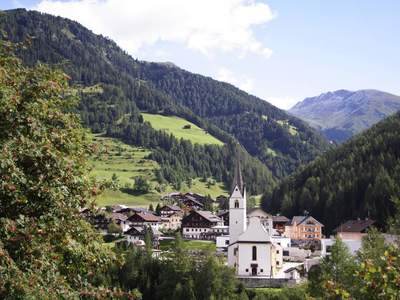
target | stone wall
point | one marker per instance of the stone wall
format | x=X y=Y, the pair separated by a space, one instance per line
x=264 y=282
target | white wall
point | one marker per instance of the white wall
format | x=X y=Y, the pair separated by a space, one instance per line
x=222 y=241
x=263 y=259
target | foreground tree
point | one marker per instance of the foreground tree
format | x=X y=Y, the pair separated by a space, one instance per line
x=46 y=250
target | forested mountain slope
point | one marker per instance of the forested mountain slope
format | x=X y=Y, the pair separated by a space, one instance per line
x=112 y=97
x=122 y=87
x=361 y=178
x=341 y=114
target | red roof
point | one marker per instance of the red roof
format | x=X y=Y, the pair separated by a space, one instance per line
x=355 y=226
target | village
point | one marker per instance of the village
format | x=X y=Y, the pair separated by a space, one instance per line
x=265 y=250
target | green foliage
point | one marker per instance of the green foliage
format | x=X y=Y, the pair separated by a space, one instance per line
x=46 y=250
x=334 y=278
x=114 y=228
x=125 y=86
x=357 y=180
x=141 y=185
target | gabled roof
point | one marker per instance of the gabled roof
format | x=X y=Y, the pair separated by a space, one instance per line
x=255 y=232
x=280 y=219
x=118 y=217
x=192 y=199
x=355 y=226
x=135 y=230
x=302 y=219
x=145 y=217
x=171 y=207
x=208 y=215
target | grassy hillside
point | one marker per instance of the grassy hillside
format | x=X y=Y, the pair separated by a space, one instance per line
x=127 y=162
x=176 y=126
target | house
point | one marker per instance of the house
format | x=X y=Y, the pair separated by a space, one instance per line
x=304 y=228
x=168 y=210
x=251 y=251
x=135 y=234
x=279 y=223
x=265 y=218
x=224 y=215
x=198 y=223
x=191 y=204
x=120 y=219
x=172 y=221
x=353 y=229
x=293 y=273
x=145 y=219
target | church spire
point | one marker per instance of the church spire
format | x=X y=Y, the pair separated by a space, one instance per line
x=238 y=179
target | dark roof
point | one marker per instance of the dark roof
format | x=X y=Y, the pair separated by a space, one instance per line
x=280 y=219
x=355 y=226
x=223 y=212
x=118 y=217
x=301 y=219
x=208 y=215
x=135 y=231
x=171 y=207
x=145 y=217
x=192 y=199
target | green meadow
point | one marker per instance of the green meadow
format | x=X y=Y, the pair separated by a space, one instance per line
x=176 y=126
x=127 y=162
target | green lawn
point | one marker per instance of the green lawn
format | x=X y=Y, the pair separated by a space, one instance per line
x=190 y=245
x=127 y=162
x=175 y=125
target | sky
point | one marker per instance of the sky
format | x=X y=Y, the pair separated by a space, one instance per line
x=279 y=50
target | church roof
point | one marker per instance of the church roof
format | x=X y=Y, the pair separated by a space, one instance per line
x=238 y=179
x=255 y=232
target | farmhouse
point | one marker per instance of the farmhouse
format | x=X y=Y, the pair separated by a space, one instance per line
x=353 y=229
x=168 y=210
x=198 y=224
x=145 y=219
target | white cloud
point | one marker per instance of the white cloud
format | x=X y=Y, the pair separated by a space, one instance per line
x=203 y=25
x=281 y=102
x=243 y=82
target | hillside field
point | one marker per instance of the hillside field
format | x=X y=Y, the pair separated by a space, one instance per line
x=127 y=162
x=175 y=125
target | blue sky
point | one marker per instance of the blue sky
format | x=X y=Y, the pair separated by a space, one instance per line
x=281 y=51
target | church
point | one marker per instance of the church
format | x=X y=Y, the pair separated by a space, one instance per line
x=251 y=250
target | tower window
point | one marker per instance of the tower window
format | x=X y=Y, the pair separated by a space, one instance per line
x=236 y=203
x=254 y=253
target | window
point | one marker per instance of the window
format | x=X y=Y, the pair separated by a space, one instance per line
x=236 y=203
x=247 y=270
x=254 y=253
x=277 y=251
x=277 y=263
x=227 y=242
x=261 y=270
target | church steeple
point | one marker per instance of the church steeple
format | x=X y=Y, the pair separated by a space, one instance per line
x=238 y=179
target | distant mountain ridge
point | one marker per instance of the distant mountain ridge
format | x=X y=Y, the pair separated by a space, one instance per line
x=342 y=113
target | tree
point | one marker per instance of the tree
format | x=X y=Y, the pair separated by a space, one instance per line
x=46 y=250
x=158 y=209
x=114 y=228
x=334 y=280
x=151 y=208
x=141 y=185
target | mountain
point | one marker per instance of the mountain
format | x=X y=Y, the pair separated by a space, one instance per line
x=359 y=179
x=342 y=113
x=115 y=89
